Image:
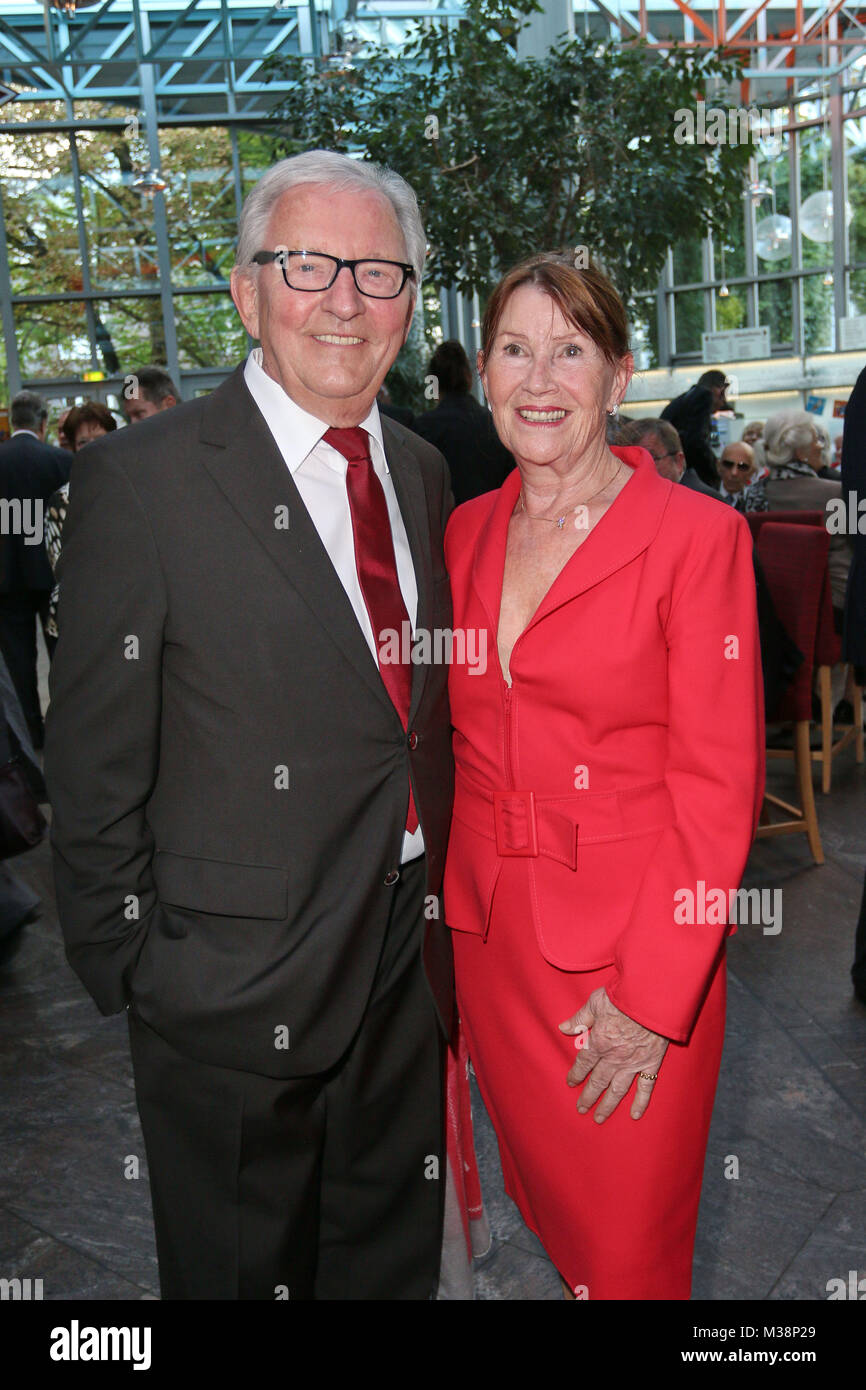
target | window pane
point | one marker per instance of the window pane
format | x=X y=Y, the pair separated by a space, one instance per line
x=129 y=334
x=774 y=170
x=855 y=153
x=857 y=292
x=817 y=248
x=121 y=235
x=209 y=332
x=52 y=340
x=731 y=310
x=688 y=263
x=39 y=207
x=200 y=202
x=818 y=314
x=256 y=154
x=643 y=334
x=773 y=241
x=734 y=245
x=774 y=309
x=689 y=311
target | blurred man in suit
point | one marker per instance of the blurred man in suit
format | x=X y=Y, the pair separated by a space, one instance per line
x=691 y=416
x=477 y=459
x=401 y=413
x=251 y=800
x=30 y=471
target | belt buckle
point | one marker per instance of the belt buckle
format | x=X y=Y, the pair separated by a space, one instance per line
x=515 y=824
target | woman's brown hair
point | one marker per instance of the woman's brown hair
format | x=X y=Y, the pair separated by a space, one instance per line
x=586 y=298
x=90 y=412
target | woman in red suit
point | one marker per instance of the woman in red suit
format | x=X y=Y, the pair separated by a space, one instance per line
x=602 y=794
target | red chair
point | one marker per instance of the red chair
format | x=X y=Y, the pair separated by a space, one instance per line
x=828 y=652
x=794 y=559
x=758 y=519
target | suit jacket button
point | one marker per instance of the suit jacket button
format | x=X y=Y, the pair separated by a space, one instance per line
x=391 y=877
x=413 y=740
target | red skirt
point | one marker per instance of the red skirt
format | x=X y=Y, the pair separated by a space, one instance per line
x=614 y=1205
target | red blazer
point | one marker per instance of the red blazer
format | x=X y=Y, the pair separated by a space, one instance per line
x=625 y=763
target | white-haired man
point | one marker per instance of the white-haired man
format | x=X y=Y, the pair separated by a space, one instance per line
x=250 y=803
x=738 y=469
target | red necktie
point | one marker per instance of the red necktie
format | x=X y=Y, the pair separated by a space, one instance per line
x=377 y=567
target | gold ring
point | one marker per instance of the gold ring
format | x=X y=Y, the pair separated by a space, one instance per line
x=649 y=1075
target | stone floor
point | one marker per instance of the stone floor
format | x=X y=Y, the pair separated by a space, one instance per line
x=791 y=1106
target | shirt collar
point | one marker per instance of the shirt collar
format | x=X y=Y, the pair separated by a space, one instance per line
x=23 y=431
x=295 y=430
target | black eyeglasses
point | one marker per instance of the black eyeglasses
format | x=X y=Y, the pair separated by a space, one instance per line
x=314 y=271
x=740 y=467
x=657 y=458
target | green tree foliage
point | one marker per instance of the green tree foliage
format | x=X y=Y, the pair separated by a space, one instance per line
x=512 y=156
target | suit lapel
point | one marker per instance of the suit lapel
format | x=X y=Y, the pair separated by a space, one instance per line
x=242 y=457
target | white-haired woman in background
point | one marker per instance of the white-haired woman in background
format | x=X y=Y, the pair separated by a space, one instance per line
x=826 y=470
x=752 y=432
x=794 y=455
x=753 y=435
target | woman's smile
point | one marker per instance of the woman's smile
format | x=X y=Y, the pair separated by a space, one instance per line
x=533 y=415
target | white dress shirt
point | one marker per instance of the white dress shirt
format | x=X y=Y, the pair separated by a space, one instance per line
x=319 y=473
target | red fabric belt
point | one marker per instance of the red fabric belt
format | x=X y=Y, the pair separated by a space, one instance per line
x=524 y=825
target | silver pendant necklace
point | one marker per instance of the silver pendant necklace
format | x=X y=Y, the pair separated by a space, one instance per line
x=559 y=521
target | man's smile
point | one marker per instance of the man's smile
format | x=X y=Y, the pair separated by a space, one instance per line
x=337 y=339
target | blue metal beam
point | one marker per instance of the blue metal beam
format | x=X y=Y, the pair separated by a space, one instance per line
x=79 y=34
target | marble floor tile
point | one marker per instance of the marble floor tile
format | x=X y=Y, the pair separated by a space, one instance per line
x=835 y=1249
x=66 y=1273
x=513 y=1274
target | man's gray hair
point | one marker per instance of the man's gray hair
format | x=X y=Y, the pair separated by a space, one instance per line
x=786 y=434
x=636 y=431
x=27 y=411
x=340 y=172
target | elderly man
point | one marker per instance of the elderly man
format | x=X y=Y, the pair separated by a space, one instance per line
x=738 y=469
x=251 y=804
x=661 y=440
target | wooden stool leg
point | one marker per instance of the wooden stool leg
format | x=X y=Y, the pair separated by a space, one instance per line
x=803 y=761
x=825 y=691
